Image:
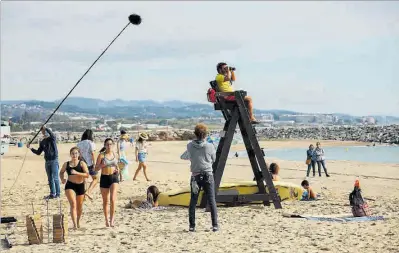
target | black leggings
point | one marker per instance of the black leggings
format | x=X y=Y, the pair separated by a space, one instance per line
x=107 y=180
x=79 y=189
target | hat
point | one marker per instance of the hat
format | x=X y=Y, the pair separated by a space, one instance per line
x=143 y=136
x=124 y=136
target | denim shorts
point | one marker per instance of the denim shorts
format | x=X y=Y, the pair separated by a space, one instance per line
x=142 y=157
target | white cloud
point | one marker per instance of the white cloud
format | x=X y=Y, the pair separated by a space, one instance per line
x=50 y=44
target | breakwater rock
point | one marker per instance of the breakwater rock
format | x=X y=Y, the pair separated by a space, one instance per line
x=380 y=134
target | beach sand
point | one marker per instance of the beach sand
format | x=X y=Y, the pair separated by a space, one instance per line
x=242 y=229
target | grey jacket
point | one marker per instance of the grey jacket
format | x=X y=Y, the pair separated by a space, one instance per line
x=202 y=155
x=319 y=153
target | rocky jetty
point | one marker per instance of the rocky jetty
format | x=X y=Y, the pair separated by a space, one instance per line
x=379 y=134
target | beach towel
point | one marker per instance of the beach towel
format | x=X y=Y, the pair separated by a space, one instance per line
x=336 y=219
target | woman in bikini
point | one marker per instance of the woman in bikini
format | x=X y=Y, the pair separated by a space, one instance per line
x=75 y=185
x=107 y=162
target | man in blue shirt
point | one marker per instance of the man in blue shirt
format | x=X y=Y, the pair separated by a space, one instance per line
x=49 y=146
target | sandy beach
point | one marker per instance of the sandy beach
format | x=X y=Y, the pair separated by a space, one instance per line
x=242 y=229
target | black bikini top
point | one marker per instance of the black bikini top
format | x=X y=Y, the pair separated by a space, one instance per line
x=78 y=168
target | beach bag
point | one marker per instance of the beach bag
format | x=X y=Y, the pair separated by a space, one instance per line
x=361 y=210
x=308 y=161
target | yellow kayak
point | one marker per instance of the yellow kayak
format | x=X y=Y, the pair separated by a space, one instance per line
x=181 y=197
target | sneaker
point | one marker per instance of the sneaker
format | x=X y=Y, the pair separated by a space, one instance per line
x=191 y=229
x=49 y=197
x=214 y=229
x=327 y=175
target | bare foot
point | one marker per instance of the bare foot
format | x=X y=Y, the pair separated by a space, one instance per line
x=134 y=179
x=107 y=224
x=112 y=223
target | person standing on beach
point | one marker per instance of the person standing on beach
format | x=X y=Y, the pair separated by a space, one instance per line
x=75 y=185
x=87 y=148
x=121 y=145
x=202 y=155
x=49 y=146
x=107 y=162
x=310 y=160
x=319 y=155
x=141 y=155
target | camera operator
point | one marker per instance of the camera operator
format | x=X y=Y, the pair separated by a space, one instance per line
x=224 y=80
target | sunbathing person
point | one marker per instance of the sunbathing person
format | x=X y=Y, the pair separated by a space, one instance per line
x=151 y=200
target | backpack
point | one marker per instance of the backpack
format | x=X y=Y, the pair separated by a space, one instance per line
x=211 y=95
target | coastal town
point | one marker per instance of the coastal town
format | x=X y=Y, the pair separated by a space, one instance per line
x=68 y=126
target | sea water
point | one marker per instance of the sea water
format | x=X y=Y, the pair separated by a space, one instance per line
x=377 y=154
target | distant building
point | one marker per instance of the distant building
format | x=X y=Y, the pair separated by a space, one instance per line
x=368 y=120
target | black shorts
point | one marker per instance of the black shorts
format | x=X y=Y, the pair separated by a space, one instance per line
x=107 y=180
x=79 y=189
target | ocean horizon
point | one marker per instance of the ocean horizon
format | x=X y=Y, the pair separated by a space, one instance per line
x=375 y=154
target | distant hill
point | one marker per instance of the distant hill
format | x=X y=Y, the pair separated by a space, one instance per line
x=141 y=108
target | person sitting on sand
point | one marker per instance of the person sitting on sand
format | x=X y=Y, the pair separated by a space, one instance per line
x=75 y=185
x=141 y=155
x=202 y=155
x=274 y=170
x=308 y=194
x=107 y=162
x=150 y=202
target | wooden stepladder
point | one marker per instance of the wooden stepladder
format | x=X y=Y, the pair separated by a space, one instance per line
x=235 y=112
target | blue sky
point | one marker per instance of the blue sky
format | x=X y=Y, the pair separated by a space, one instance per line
x=306 y=56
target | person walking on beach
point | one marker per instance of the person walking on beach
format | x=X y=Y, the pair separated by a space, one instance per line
x=319 y=155
x=141 y=155
x=202 y=155
x=49 y=146
x=87 y=148
x=121 y=145
x=310 y=160
x=75 y=185
x=107 y=162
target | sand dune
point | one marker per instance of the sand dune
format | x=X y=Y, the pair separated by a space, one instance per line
x=243 y=229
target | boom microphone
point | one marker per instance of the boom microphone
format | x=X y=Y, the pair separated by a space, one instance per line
x=135 y=19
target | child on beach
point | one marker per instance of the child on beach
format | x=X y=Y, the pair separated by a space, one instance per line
x=308 y=194
x=274 y=170
x=141 y=155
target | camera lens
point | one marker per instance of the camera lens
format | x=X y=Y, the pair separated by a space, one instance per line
x=232 y=69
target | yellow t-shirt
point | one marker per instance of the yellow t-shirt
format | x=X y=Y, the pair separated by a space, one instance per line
x=223 y=86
